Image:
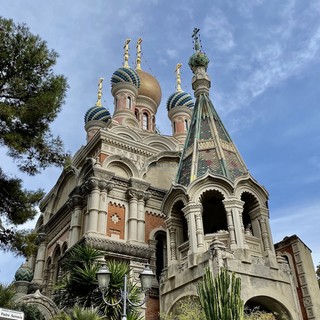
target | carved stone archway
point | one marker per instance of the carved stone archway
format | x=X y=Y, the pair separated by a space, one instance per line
x=45 y=305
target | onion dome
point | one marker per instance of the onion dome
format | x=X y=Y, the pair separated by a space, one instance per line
x=180 y=99
x=24 y=273
x=198 y=59
x=149 y=86
x=125 y=74
x=97 y=113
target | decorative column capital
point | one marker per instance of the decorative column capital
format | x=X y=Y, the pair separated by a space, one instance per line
x=41 y=238
x=133 y=193
x=75 y=201
x=106 y=186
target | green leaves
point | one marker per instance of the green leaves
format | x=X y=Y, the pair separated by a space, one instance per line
x=31 y=96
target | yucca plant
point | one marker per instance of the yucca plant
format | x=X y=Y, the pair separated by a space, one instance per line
x=220 y=296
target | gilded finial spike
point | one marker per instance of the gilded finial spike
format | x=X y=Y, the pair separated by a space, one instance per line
x=126 y=53
x=195 y=37
x=178 y=77
x=138 y=62
x=99 y=104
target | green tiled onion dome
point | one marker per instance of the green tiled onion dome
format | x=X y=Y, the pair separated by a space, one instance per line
x=125 y=74
x=24 y=273
x=198 y=59
x=179 y=99
x=97 y=113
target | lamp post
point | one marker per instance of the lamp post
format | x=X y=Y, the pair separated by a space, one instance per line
x=104 y=275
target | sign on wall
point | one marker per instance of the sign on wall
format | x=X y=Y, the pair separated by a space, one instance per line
x=11 y=314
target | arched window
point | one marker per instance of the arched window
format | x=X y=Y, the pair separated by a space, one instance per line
x=186 y=125
x=161 y=249
x=128 y=102
x=136 y=113
x=145 y=121
x=214 y=215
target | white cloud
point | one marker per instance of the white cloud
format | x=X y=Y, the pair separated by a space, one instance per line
x=301 y=220
x=217 y=28
x=171 y=53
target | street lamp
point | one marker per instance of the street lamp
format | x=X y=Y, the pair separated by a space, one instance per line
x=104 y=275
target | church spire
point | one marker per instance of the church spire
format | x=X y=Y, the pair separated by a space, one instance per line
x=138 y=61
x=126 y=53
x=208 y=146
x=98 y=103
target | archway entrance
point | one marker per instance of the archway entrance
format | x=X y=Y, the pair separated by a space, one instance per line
x=266 y=304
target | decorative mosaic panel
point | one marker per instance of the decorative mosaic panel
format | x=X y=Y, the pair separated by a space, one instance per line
x=184 y=175
x=192 y=133
x=221 y=130
x=233 y=164
x=208 y=160
x=205 y=130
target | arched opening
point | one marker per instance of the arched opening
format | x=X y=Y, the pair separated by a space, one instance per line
x=180 y=226
x=145 y=121
x=136 y=113
x=214 y=214
x=250 y=204
x=55 y=265
x=128 y=102
x=64 y=248
x=186 y=125
x=161 y=252
x=261 y=305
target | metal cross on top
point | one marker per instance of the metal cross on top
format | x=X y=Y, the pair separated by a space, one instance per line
x=195 y=37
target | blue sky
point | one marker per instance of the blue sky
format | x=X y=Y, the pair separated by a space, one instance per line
x=264 y=70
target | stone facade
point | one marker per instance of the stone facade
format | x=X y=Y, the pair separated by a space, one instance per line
x=144 y=198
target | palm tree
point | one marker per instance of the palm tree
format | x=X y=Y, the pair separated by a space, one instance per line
x=79 y=313
x=6 y=295
x=79 y=286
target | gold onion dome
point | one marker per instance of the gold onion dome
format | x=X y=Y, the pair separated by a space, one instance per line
x=149 y=86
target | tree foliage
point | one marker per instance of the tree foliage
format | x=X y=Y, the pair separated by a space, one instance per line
x=30 y=311
x=31 y=96
x=188 y=308
x=79 y=284
x=79 y=313
x=318 y=274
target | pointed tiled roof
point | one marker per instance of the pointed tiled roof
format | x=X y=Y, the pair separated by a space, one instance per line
x=208 y=146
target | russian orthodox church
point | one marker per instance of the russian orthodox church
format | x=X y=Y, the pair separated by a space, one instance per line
x=181 y=203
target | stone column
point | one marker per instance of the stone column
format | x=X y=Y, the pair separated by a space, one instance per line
x=105 y=187
x=142 y=198
x=133 y=215
x=173 y=244
x=264 y=234
x=40 y=260
x=75 y=224
x=234 y=208
x=93 y=206
x=189 y=212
